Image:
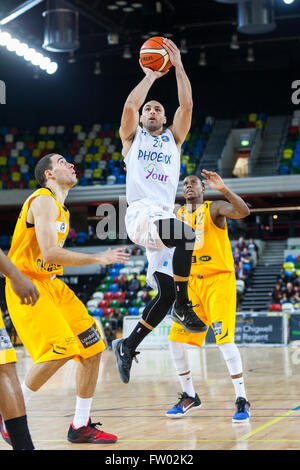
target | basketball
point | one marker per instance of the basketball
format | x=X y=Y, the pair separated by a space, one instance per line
x=154 y=56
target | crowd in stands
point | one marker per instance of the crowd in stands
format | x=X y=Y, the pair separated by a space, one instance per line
x=290 y=162
x=286 y=293
x=245 y=255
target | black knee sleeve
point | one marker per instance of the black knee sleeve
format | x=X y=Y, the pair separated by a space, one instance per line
x=156 y=310
x=175 y=233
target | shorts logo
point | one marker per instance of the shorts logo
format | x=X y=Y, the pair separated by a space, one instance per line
x=153 y=175
x=5 y=342
x=205 y=258
x=217 y=326
x=90 y=336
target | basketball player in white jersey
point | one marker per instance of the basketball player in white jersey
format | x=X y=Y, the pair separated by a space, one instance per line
x=152 y=158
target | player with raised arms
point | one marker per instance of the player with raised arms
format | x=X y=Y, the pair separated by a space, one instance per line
x=152 y=158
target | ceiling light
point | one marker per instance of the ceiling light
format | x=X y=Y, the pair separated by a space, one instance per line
x=52 y=67
x=121 y=3
x=288 y=2
x=234 y=44
x=250 y=55
x=112 y=7
x=202 y=59
x=127 y=53
x=4 y=38
x=113 y=38
x=128 y=9
x=183 y=48
x=137 y=5
x=12 y=44
x=97 y=69
x=71 y=59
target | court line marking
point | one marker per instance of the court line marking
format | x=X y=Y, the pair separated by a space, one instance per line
x=268 y=424
x=179 y=440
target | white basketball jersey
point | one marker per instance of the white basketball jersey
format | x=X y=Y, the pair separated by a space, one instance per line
x=152 y=168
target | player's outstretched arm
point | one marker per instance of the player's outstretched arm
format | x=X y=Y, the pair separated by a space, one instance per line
x=45 y=213
x=236 y=208
x=22 y=286
x=130 y=115
x=183 y=116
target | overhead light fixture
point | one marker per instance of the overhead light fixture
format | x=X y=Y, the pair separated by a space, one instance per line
x=250 y=55
x=183 y=47
x=288 y=2
x=29 y=54
x=112 y=7
x=128 y=9
x=127 y=53
x=137 y=5
x=202 y=59
x=71 y=58
x=113 y=38
x=158 y=7
x=121 y=3
x=234 y=44
x=167 y=35
x=97 y=69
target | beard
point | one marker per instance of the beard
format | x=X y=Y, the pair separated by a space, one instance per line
x=153 y=126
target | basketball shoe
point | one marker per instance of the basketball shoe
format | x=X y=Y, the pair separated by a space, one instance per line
x=90 y=434
x=4 y=433
x=242 y=414
x=124 y=358
x=186 y=317
x=184 y=406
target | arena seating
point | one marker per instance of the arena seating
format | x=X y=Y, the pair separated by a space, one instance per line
x=95 y=150
x=290 y=162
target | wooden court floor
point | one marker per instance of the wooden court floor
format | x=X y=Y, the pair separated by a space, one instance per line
x=135 y=412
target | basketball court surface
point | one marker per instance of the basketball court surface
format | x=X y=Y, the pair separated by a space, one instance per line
x=135 y=412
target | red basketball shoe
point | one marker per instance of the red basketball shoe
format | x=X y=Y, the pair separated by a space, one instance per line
x=90 y=434
x=4 y=433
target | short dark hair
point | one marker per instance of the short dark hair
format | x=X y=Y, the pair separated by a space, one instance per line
x=43 y=164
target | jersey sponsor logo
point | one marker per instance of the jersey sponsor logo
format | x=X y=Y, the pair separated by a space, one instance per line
x=165 y=138
x=205 y=258
x=154 y=156
x=90 y=336
x=152 y=174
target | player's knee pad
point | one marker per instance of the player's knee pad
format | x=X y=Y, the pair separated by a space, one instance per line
x=179 y=354
x=232 y=358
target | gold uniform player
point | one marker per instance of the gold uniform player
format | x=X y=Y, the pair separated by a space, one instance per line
x=13 y=418
x=58 y=328
x=212 y=289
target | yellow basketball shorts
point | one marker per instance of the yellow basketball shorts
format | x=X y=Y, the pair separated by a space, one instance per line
x=7 y=352
x=57 y=326
x=214 y=298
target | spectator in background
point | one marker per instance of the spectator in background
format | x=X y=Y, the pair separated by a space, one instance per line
x=283 y=277
x=123 y=284
x=134 y=284
x=276 y=294
x=146 y=297
x=245 y=256
x=241 y=244
x=295 y=279
x=236 y=256
x=241 y=272
x=252 y=246
x=115 y=320
x=109 y=334
x=290 y=290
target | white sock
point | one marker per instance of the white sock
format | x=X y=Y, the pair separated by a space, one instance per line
x=82 y=412
x=233 y=361
x=27 y=392
x=186 y=382
x=239 y=387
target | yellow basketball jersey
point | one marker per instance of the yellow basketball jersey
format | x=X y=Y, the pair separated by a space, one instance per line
x=25 y=252
x=212 y=252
